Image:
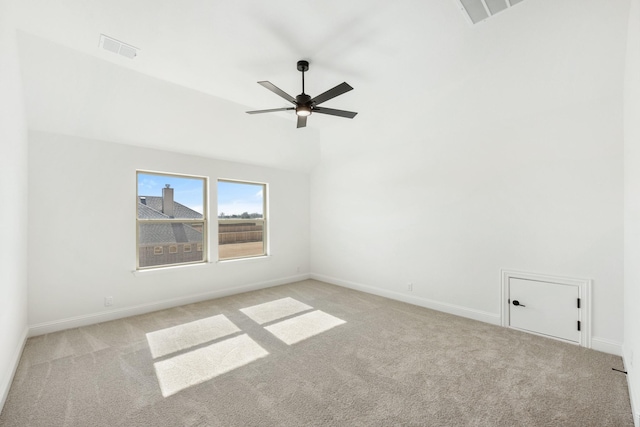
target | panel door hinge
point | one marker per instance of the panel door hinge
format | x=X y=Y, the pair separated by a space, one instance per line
x=578 y=325
x=578 y=302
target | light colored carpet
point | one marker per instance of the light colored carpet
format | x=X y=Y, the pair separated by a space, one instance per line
x=310 y=354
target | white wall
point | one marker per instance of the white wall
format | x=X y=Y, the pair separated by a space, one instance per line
x=448 y=215
x=13 y=205
x=518 y=166
x=632 y=210
x=95 y=98
x=82 y=195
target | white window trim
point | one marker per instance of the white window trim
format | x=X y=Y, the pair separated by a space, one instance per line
x=265 y=223
x=204 y=220
x=170 y=268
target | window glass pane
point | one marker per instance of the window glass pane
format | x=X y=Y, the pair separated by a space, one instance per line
x=241 y=219
x=171 y=219
x=240 y=239
x=158 y=243
x=240 y=200
x=170 y=196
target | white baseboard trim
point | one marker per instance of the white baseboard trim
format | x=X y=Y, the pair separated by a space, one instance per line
x=635 y=409
x=634 y=413
x=606 y=346
x=90 y=319
x=15 y=360
x=457 y=310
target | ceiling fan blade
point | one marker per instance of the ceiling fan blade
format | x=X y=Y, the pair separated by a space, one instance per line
x=273 y=88
x=271 y=110
x=331 y=93
x=302 y=121
x=332 y=112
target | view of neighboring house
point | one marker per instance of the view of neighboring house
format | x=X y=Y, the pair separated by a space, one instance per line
x=162 y=243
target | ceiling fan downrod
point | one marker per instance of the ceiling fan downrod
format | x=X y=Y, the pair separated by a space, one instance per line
x=302 y=67
x=303 y=101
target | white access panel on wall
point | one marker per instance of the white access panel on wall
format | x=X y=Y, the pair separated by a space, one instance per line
x=555 y=307
x=544 y=308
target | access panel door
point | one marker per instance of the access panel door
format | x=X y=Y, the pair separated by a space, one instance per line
x=545 y=308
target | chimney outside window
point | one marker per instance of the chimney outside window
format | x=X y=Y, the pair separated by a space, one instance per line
x=167 y=201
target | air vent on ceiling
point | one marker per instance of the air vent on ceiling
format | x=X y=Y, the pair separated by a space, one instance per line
x=479 y=10
x=116 y=46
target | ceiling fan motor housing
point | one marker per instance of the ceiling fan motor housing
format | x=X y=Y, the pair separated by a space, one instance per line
x=303 y=99
x=303 y=105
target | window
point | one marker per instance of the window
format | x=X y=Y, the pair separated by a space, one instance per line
x=242 y=228
x=187 y=248
x=171 y=211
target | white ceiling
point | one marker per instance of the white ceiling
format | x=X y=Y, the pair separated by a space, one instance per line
x=418 y=67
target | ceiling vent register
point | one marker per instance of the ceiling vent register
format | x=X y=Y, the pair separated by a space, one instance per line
x=479 y=10
x=116 y=46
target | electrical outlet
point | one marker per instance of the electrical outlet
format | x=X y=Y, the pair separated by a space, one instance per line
x=108 y=301
x=298 y=270
x=410 y=286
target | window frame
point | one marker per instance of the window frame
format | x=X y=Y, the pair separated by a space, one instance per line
x=264 y=219
x=204 y=221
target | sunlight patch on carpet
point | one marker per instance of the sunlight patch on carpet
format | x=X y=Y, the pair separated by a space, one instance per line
x=274 y=310
x=300 y=328
x=197 y=366
x=187 y=335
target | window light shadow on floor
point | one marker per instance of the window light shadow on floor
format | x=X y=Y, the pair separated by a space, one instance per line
x=186 y=369
x=189 y=369
x=187 y=335
x=295 y=329
x=274 y=310
x=305 y=326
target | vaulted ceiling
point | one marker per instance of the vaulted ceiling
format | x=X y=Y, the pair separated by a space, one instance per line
x=418 y=68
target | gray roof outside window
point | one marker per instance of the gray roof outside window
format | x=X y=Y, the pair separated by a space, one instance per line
x=166 y=233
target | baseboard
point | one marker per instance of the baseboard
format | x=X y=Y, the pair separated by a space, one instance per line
x=606 y=346
x=457 y=310
x=635 y=410
x=8 y=379
x=90 y=319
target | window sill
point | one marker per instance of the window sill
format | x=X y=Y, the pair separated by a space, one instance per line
x=248 y=259
x=169 y=268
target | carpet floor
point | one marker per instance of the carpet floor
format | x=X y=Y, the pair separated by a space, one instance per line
x=310 y=354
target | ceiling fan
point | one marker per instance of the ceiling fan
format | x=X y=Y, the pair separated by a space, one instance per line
x=304 y=104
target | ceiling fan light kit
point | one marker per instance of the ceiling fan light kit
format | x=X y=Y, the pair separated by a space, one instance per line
x=304 y=104
x=303 y=111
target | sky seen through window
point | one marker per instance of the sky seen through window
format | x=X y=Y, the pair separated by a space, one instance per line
x=233 y=198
